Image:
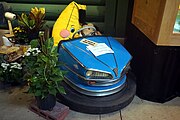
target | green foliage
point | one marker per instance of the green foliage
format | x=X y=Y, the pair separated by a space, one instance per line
x=20 y=35
x=34 y=21
x=11 y=72
x=42 y=68
x=29 y=25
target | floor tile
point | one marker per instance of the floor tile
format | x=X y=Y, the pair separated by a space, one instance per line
x=174 y=102
x=111 y=116
x=145 y=110
x=14 y=106
x=73 y=115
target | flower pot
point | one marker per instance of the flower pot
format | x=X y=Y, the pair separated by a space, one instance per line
x=46 y=103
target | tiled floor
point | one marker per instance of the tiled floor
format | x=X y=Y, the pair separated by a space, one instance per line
x=14 y=102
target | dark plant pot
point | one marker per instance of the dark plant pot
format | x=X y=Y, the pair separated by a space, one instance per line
x=47 y=103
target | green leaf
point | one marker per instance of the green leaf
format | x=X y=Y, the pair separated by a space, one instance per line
x=44 y=48
x=21 y=23
x=38 y=85
x=27 y=76
x=51 y=42
x=37 y=93
x=44 y=58
x=56 y=71
x=40 y=70
x=53 y=91
x=54 y=49
x=30 y=90
x=61 y=90
x=31 y=23
x=34 y=43
x=25 y=19
x=56 y=79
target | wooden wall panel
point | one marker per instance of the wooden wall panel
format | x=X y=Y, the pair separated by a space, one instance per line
x=88 y=2
x=95 y=12
x=108 y=15
x=53 y=11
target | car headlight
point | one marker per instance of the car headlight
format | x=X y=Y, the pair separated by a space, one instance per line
x=98 y=75
x=126 y=69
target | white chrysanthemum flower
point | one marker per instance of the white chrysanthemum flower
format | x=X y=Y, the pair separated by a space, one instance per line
x=4 y=65
x=14 y=63
x=29 y=49
x=5 y=68
x=33 y=51
x=28 y=54
x=16 y=66
x=25 y=54
x=19 y=68
x=12 y=67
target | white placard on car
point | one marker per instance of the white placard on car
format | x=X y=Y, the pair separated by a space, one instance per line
x=100 y=49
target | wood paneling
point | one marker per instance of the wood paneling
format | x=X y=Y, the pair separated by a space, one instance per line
x=95 y=13
x=53 y=11
x=88 y=2
x=108 y=15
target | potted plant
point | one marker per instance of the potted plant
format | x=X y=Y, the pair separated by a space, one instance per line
x=43 y=73
x=29 y=25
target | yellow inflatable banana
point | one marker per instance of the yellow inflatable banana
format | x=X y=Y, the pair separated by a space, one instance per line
x=67 y=23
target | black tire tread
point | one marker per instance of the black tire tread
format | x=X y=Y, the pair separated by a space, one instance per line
x=98 y=105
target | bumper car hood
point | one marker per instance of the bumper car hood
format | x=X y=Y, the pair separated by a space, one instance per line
x=111 y=57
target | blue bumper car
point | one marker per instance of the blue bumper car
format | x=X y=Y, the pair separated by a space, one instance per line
x=97 y=80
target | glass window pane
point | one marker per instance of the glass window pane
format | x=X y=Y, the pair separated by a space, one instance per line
x=177 y=22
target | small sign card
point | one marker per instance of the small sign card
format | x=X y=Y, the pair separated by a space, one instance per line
x=88 y=42
x=100 y=49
